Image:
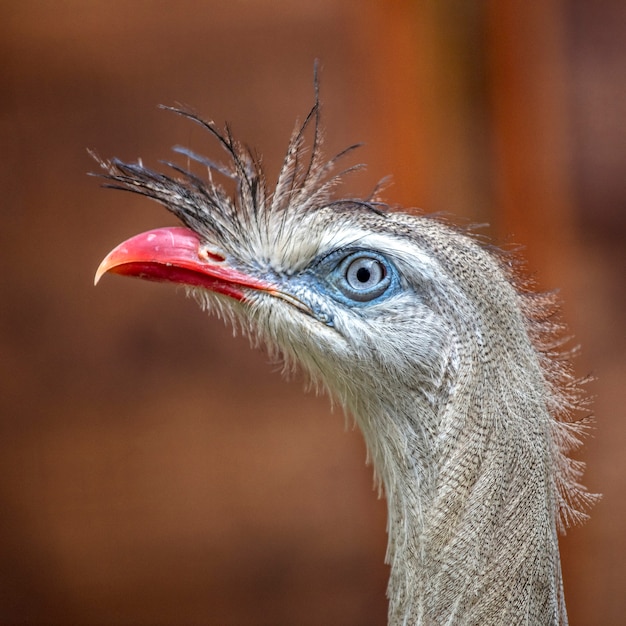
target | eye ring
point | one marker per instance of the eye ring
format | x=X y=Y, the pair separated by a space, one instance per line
x=362 y=276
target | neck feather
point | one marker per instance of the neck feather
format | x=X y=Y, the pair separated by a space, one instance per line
x=472 y=502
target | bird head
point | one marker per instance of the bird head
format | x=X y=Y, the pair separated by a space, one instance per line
x=336 y=286
x=417 y=328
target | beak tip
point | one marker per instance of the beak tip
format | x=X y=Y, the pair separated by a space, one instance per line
x=103 y=268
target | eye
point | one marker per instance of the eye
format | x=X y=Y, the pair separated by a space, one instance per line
x=364 y=273
x=362 y=276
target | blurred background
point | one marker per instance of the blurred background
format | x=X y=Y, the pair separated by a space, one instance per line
x=153 y=469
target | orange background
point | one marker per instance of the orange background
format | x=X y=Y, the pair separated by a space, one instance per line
x=154 y=470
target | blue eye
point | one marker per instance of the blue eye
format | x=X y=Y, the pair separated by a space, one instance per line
x=362 y=276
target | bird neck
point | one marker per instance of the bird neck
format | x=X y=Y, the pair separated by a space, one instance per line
x=472 y=507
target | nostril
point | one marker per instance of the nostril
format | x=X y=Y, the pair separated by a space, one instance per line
x=211 y=255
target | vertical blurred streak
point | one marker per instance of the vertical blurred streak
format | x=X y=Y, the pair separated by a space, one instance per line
x=397 y=49
x=528 y=84
x=426 y=66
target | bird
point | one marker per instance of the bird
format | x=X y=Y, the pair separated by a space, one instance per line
x=449 y=360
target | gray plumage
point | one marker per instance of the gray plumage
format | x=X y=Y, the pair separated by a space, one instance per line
x=452 y=371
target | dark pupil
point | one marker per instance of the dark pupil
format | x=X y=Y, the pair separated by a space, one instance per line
x=363 y=274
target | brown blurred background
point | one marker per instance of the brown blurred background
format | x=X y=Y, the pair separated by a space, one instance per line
x=153 y=469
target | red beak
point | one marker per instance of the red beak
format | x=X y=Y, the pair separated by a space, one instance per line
x=176 y=255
